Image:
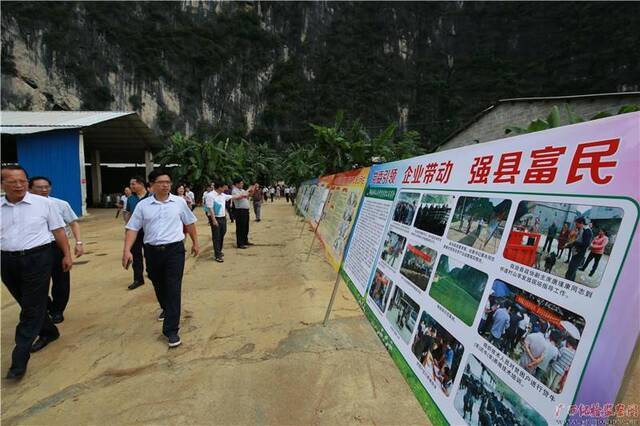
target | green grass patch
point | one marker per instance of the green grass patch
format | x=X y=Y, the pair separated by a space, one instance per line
x=460 y=303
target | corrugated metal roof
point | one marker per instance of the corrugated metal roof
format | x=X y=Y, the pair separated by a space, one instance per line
x=27 y=122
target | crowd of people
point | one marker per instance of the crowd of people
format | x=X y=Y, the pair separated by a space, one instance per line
x=493 y=409
x=544 y=350
x=36 y=229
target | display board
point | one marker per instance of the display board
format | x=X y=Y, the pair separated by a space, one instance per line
x=304 y=194
x=500 y=276
x=341 y=204
x=318 y=194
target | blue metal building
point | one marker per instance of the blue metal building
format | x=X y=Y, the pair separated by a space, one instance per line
x=54 y=144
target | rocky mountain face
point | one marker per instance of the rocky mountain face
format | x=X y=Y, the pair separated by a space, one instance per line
x=266 y=69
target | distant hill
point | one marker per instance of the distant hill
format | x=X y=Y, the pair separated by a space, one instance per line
x=266 y=69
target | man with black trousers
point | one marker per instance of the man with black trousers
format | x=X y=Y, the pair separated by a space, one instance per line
x=216 y=201
x=139 y=188
x=241 y=212
x=28 y=221
x=163 y=217
x=60 y=280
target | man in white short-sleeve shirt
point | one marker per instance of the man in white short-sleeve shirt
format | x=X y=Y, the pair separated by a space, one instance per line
x=28 y=221
x=165 y=218
x=60 y=280
x=241 y=212
x=216 y=206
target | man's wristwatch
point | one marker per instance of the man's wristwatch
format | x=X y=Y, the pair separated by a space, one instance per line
x=78 y=242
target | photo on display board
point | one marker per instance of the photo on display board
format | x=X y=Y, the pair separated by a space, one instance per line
x=458 y=287
x=305 y=203
x=345 y=222
x=392 y=249
x=433 y=213
x=539 y=335
x=479 y=222
x=417 y=264
x=438 y=352
x=380 y=289
x=403 y=314
x=406 y=207
x=570 y=241
x=484 y=399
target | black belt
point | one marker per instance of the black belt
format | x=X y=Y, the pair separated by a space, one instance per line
x=163 y=247
x=26 y=252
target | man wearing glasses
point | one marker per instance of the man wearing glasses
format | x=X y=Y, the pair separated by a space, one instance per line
x=61 y=280
x=163 y=216
x=28 y=221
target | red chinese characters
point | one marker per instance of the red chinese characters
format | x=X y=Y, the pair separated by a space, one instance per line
x=589 y=159
x=508 y=168
x=544 y=164
x=444 y=172
x=480 y=169
x=427 y=173
x=591 y=156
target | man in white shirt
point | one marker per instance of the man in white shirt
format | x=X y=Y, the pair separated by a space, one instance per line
x=216 y=205
x=204 y=198
x=191 y=196
x=25 y=239
x=60 y=280
x=292 y=195
x=241 y=212
x=286 y=193
x=163 y=217
x=122 y=201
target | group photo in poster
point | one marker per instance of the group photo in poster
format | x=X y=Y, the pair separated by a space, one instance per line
x=392 y=249
x=567 y=240
x=438 y=351
x=433 y=213
x=483 y=399
x=479 y=222
x=380 y=289
x=458 y=287
x=403 y=313
x=406 y=207
x=540 y=336
x=417 y=265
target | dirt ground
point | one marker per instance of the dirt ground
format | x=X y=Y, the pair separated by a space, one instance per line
x=254 y=349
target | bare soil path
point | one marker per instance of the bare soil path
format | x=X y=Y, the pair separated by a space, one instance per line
x=254 y=350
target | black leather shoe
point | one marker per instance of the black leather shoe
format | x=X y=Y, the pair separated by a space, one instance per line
x=135 y=285
x=42 y=342
x=15 y=374
x=57 y=318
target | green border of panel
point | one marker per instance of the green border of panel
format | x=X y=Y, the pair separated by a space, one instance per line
x=429 y=406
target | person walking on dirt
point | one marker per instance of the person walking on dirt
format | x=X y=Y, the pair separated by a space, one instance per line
x=163 y=217
x=139 y=187
x=256 y=199
x=28 y=221
x=60 y=280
